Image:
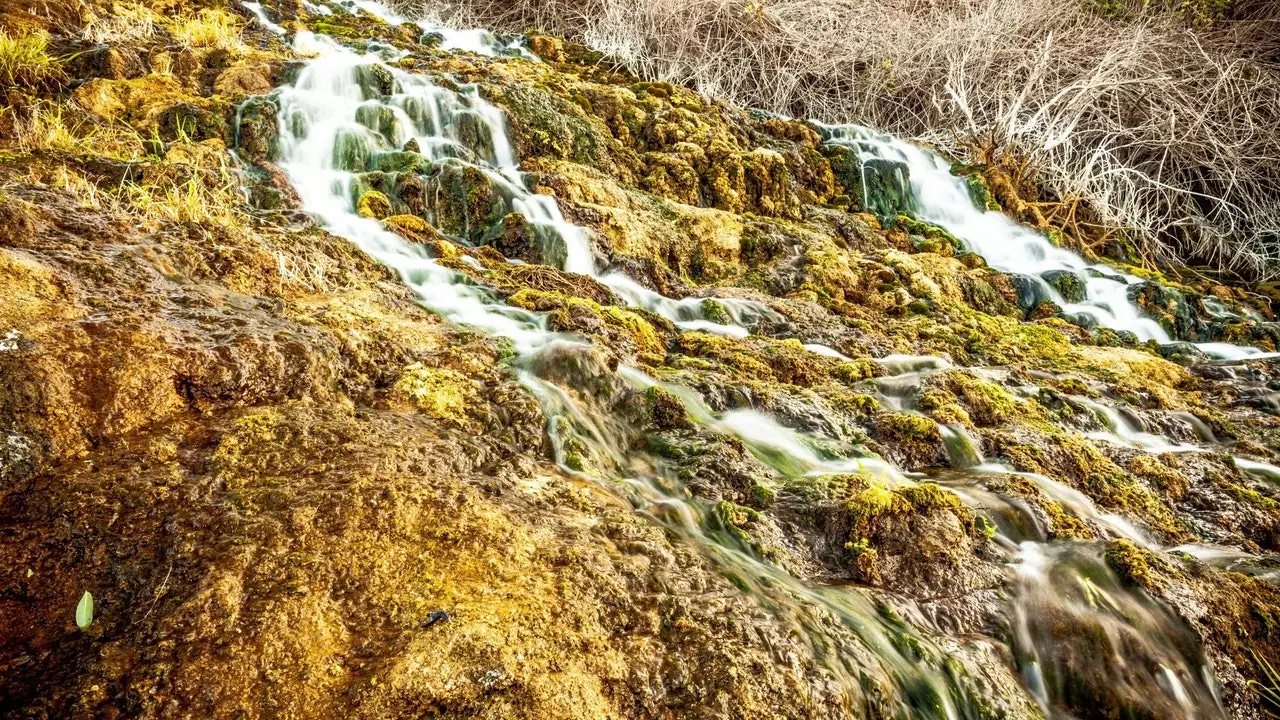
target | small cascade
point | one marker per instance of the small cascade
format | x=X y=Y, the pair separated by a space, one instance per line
x=1124 y=430
x=944 y=199
x=347 y=109
x=1075 y=622
x=962 y=451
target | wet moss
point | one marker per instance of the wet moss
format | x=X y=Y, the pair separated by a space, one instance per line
x=986 y=403
x=1166 y=479
x=1129 y=563
x=574 y=314
x=1076 y=462
x=915 y=439
x=373 y=204
x=666 y=411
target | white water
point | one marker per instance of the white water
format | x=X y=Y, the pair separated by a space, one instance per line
x=1123 y=431
x=944 y=200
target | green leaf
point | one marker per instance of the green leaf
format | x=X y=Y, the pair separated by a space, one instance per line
x=84 y=611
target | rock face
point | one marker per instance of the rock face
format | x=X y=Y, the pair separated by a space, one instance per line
x=294 y=492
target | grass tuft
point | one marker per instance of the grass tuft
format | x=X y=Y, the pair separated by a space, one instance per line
x=208 y=29
x=25 y=61
x=126 y=22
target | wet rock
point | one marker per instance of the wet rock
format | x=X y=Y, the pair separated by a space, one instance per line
x=1168 y=307
x=515 y=237
x=257 y=133
x=1068 y=283
x=911 y=441
x=1031 y=292
x=270 y=188
x=887 y=188
x=666 y=410
x=398 y=161
x=463 y=201
x=1183 y=353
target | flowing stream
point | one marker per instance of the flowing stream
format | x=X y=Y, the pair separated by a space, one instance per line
x=944 y=199
x=346 y=109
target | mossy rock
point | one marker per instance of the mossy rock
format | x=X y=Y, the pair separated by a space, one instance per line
x=462 y=201
x=1068 y=283
x=515 y=237
x=666 y=411
x=1169 y=307
x=887 y=189
x=186 y=121
x=373 y=204
x=914 y=440
x=412 y=228
x=257 y=135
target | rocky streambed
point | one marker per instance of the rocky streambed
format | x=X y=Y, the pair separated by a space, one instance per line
x=356 y=366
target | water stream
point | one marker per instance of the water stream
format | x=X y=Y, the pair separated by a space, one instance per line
x=325 y=117
x=944 y=199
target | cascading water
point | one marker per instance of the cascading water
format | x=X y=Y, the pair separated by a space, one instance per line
x=337 y=106
x=943 y=199
x=326 y=113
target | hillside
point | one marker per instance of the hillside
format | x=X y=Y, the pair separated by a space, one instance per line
x=360 y=367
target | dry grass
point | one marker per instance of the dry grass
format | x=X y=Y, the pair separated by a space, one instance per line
x=208 y=29
x=64 y=128
x=193 y=201
x=126 y=22
x=1162 y=117
x=25 y=61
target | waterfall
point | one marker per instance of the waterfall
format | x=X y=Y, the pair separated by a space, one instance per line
x=325 y=119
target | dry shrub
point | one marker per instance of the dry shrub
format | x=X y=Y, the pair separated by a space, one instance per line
x=1162 y=117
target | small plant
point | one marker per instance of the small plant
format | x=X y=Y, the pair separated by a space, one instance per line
x=1268 y=688
x=55 y=127
x=25 y=60
x=84 y=611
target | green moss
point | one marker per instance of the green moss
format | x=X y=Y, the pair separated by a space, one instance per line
x=1163 y=477
x=575 y=314
x=986 y=403
x=715 y=312
x=927 y=237
x=915 y=437
x=441 y=393
x=1129 y=563
x=736 y=520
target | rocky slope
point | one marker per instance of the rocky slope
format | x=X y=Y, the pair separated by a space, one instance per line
x=294 y=491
